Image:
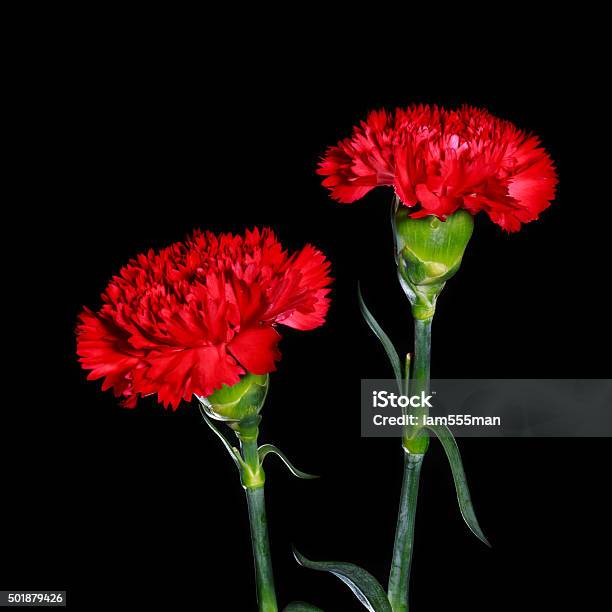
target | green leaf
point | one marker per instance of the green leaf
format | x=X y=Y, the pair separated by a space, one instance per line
x=384 y=339
x=266 y=449
x=463 y=493
x=363 y=585
x=406 y=384
x=233 y=451
x=300 y=606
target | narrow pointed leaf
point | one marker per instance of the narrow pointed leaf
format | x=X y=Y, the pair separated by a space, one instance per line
x=234 y=453
x=463 y=493
x=363 y=585
x=266 y=449
x=406 y=384
x=382 y=336
x=300 y=606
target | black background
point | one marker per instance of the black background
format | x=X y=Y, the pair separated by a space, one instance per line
x=132 y=148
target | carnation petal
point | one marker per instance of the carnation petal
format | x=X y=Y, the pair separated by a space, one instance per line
x=198 y=314
x=256 y=349
x=444 y=159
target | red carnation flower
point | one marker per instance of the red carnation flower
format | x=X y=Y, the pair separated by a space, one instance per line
x=199 y=314
x=443 y=160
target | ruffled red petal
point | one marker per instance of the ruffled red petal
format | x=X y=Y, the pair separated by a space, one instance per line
x=199 y=314
x=256 y=349
x=439 y=160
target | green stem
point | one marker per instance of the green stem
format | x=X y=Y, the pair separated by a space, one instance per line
x=402 y=552
x=422 y=356
x=415 y=438
x=415 y=445
x=266 y=596
x=253 y=479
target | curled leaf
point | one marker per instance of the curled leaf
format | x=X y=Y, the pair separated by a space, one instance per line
x=266 y=449
x=463 y=493
x=382 y=336
x=363 y=585
x=233 y=451
x=300 y=606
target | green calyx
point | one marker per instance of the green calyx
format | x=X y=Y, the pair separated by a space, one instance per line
x=245 y=398
x=429 y=252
